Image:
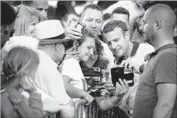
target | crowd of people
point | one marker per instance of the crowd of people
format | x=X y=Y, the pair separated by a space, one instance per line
x=44 y=63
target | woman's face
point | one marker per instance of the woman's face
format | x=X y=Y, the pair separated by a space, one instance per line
x=31 y=26
x=87 y=49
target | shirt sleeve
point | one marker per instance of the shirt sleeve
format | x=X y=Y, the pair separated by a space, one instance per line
x=72 y=69
x=166 y=69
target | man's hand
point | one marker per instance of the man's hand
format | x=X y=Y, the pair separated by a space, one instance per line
x=131 y=65
x=73 y=31
x=135 y=12
x=121 y=88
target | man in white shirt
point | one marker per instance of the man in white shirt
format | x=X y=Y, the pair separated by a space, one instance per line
x=118 y=39
x=51 y=37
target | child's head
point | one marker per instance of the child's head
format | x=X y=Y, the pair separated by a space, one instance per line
x=19 y=62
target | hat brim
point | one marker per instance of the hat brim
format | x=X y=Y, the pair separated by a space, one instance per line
x=54 y=40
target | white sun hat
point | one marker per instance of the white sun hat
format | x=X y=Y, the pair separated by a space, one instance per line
x=50 y=31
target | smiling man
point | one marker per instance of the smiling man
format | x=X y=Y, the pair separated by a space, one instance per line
x=117 y=37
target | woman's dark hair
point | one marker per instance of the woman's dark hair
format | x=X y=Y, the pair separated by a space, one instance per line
x=8 y=14
x=86 y=33
x=19 y=62
x=106 y=16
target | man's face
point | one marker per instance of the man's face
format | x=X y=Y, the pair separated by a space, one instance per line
x=117 y=42
x=41 y=6
x=93 y=20
x=121 y=17
x=147 y=27
x=55 y=51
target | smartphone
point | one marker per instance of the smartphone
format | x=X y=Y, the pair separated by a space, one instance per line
x=120 y=73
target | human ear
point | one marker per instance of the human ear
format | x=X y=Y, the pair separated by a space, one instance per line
x=157 y=25
x=127 y=35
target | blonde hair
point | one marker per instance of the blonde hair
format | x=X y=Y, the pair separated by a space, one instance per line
x=24 y=18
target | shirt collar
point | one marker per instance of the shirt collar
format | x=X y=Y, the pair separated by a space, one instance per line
x=150 y=55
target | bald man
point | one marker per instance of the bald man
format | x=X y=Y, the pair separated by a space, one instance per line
x=156 y=95
x=40 y=5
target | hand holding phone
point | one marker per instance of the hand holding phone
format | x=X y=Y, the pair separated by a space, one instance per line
x=120 y=73
x=74 y=30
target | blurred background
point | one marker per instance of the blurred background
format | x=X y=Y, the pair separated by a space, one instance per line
x=62 y=10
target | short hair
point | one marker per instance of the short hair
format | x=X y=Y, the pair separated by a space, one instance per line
x=91 y=6
x=28 y=3
x=111 y=25
x=121 y=10
x=106 y=16
x=24 y=18
x=20 y=62
x=8 y=14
